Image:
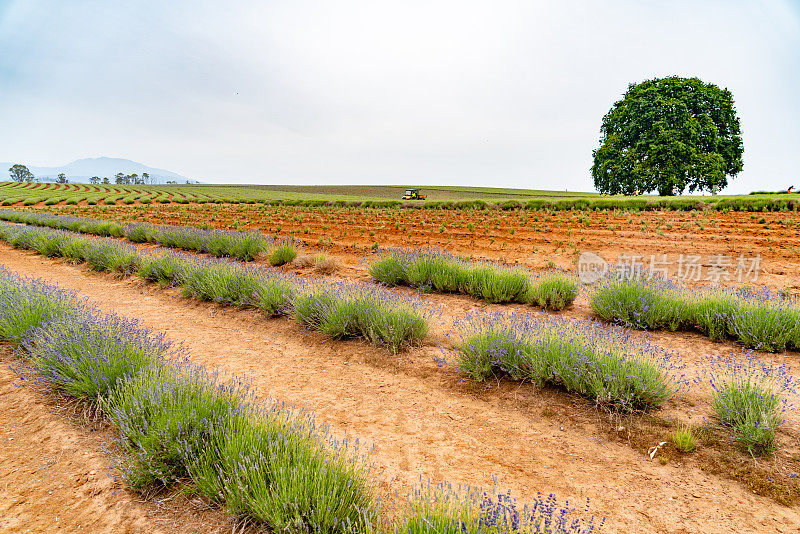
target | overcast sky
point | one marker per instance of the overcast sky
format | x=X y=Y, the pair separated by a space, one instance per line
x=493 y=93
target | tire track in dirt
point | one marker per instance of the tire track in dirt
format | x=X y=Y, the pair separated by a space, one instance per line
x=419 y=426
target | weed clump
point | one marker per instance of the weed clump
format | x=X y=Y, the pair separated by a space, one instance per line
x=282 y=254
x=684 y=440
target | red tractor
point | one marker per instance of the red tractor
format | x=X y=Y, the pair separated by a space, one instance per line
x=413 y=194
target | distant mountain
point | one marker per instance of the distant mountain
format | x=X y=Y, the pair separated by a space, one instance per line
x=81 y=170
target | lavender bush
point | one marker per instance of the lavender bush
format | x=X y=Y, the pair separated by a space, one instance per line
x=63 y=222
x=443 y=509
x=239 y=285
x=429 y=269
x=19 y=237
x=75 y=249
x=112 y=256
x=207 y=279
x=641 y=301
x=47 y=242
x=277 y=467
x=179 y=422
x=244 y=246
x=282 y=254
x=167 y=269
x=711 y=311
x=497 y=284
x=755 y=317
x=138 y=232
x=99 y=254
x=87 y=355
x=553 y=290
x=751 y=397
x=162 y=416
x=50 y=244
x=264 y=461
x=604 y=364
x=343 y=310
x=425 y=269
x=26 y=304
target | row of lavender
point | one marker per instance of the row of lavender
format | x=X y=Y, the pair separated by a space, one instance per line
x=604 y=364
x=244 y=246
x=344 y=310
x=432 y=269
x=750 y=397
x=424 y=269
x=338 y=309
x=757 y=318
x=177 y=421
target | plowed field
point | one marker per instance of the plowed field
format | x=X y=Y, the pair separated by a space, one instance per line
x=526 y=237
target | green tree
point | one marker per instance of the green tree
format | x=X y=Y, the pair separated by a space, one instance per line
x=62 y=179
x=667 y=135
x=106 y=180
x=94 y=180
x=21 y=173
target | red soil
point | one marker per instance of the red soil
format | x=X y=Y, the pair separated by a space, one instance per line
x=424 y=421
x=526 y=237
x=55 y=473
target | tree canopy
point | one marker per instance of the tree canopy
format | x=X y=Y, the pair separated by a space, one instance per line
x=668 y=135
x=21 y=173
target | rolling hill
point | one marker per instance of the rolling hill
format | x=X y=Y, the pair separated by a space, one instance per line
x=81 y=170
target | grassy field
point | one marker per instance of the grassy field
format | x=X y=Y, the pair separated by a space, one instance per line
x=446 y=197
x=43 y=192
x=395 y=192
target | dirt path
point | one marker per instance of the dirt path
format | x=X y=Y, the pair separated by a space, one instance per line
x=55 y=475
x=423 y=421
